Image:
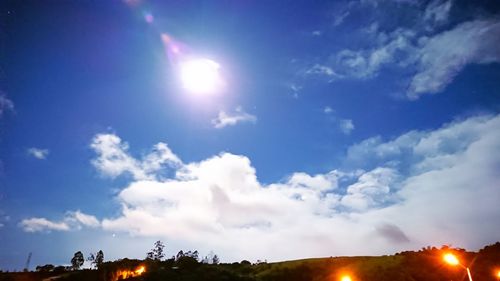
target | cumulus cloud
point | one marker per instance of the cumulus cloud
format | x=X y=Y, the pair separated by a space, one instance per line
x=113 y=158
x=72 y=220
x=225 y=119
x=38 y=153
x=220 y=201
x=373 y=189
x=410 y=193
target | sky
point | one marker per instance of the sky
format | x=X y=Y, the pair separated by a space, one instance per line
x=333 y=128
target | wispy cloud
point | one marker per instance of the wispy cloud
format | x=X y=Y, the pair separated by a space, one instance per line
x=346 y=126
x=38 y=153
x=72 y=221
x=328 y=110
x=5 y=104
x=225 y=119
x=339 y=19
x=429 y=54
x=442 y=57
x=437 y=11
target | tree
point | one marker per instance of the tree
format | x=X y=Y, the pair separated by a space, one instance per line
x=45 y=268
x=215 y=259
x=99 y=259
x=96 y=259
x=77 y=260
x=179 y=255
x=157 y=252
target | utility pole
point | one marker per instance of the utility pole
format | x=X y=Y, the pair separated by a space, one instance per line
x=26 y=268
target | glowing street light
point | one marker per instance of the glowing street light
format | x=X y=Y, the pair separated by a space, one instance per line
x=453 y=260
x=346 y=278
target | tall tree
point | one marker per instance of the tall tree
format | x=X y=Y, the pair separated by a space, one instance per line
x=77 y=260
x=99 y=259
x=96 y=259
x=157 y=252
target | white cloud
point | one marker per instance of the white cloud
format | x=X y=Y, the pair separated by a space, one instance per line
x=328 y=110
x=219 y=200
x=427 y=51
x=5 y=104
x=316 y=33
x=339 y=19
x=443 y=56
x=230 y=119
x=422 y=188
x=42 y=224
x=113 y=158
x=437 y=11
x=322 y=70
x=82 y=219
x=367 y=63
x=346 y=126
x=38 y=153
x=373 y=189
x=72 y=220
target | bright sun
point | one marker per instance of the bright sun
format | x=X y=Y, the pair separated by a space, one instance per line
x=201 y=76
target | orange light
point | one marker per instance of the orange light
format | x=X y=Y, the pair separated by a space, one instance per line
x=346 y=278
x=125 y=274
x=498 y=274
x=140 y=270
x=451 y=259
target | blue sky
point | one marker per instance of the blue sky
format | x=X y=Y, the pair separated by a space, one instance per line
x=340 y=128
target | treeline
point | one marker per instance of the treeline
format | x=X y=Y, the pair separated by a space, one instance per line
x=426 y=264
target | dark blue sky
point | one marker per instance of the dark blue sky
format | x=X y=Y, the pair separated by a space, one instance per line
x=371 y=120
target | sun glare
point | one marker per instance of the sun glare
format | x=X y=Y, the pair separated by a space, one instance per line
x=201 y=76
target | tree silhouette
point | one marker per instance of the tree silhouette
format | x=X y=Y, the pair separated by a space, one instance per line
x=96 y=259
x=215 y=259
x=77 y=260
x=157 y=252
x=99 y=259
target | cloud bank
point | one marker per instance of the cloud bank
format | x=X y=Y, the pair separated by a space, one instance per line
x=421 y=188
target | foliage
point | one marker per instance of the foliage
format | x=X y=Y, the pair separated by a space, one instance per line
x=96 y=259
x=45 y=268
x=77 y=260
x=157 y=252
